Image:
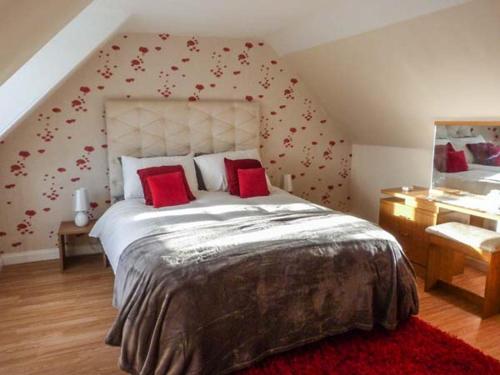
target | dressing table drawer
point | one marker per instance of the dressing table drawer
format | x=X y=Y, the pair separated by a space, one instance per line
x=407 y=224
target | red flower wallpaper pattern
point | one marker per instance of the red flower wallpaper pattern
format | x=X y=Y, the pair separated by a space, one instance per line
x=62 y=145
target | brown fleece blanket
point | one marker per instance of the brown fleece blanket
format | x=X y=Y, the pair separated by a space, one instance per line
x=226 y=295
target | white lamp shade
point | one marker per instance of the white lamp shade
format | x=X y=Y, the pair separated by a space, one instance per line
x=287 y=183
x=81 y=200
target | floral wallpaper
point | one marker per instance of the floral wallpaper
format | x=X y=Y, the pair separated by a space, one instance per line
x=489 y=133
x=61 y=146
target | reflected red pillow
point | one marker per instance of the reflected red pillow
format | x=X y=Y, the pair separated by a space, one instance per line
x=440 y=156
x=153 y=171
x=480 y=152
x=485 y=153
x=168 y=189
x=456 y=162
x=252 y=182
x=232 y=167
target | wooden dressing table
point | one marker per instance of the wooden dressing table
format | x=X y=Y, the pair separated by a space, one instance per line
x=407 y=214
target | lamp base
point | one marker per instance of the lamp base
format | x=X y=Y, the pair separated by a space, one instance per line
x=81 y=219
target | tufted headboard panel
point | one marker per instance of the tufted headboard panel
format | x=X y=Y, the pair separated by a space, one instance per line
x=143 y=128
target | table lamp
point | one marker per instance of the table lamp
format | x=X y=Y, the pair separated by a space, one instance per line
x=287 y=183
x=81 y=206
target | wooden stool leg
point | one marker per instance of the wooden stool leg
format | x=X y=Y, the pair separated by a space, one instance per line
x=458 y=263
x=448 y=258
x=433 y=266
x=492 y=291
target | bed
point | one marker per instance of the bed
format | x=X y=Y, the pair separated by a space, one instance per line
x=217 y=284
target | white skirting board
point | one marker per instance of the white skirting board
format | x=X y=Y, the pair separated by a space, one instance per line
x=30 y=256
x=40 y=255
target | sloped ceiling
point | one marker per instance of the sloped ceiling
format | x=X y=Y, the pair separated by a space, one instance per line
x=40 y=75
x=287 y=25
x=341 y=19
x=388 y=86
x=217 y=18
x=18 y=20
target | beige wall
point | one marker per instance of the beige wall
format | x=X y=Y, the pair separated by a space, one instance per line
x=26 y=25
x=378 y=167
x=62 y=145
x=388 y=86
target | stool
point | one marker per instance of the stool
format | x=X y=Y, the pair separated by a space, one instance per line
x=451 y=241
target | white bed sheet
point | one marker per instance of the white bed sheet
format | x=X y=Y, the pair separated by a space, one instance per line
x=479 y=179
x=128 y=220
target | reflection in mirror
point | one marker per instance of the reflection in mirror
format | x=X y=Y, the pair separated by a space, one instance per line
x=467 y=161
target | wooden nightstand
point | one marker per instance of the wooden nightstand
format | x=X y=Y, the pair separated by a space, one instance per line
x=68 y=228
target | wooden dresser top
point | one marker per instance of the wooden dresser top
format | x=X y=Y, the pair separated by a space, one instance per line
x=421 y=198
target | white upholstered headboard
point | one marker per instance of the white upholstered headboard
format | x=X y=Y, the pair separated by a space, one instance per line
x=162 y=127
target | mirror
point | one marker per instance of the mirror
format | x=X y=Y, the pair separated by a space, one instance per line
x=466 y=162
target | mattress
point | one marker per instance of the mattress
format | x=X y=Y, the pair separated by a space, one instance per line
x=128 y=220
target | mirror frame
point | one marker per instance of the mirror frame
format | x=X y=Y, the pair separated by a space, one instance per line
x=466 y=123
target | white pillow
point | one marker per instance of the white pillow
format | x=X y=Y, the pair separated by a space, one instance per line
x=132 y=187
x=441 y=132
x=441 y=141
x=459 y=144
x=459 y=131
x=213 y=170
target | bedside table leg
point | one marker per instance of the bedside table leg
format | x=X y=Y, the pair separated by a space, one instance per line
x=62 y=252
x=105 y=261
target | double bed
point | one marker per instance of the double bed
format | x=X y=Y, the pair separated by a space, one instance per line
x=219 y=283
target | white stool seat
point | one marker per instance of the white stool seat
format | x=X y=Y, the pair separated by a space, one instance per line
x=480 y=238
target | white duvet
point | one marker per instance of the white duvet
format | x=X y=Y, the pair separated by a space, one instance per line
x=479 y=179
x=129 y=220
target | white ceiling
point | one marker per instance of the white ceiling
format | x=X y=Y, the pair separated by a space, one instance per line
x=288 y=25
x=220 y=18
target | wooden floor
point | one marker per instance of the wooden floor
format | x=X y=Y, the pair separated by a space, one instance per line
x=53 y=323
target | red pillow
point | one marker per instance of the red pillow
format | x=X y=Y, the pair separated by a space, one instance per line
x=232 y=167
x=252 y=182
x=440 y=156
x=456 y=162
x=146 y=172
x=168 y=189
x=480 y=151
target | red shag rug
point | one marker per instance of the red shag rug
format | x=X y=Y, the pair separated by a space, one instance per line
x=414 y=348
